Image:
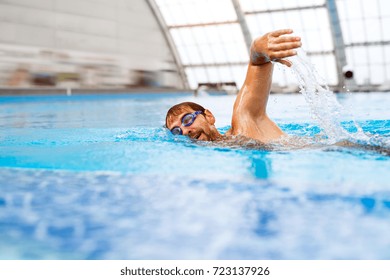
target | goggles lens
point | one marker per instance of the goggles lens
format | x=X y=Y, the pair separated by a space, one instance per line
x=176 y=131
x=186 y=120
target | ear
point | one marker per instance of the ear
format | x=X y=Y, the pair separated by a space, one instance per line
x=209 y=117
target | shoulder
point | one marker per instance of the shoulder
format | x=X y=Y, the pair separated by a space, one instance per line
x=229 y=132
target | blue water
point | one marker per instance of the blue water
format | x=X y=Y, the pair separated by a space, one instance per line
x=98 y=177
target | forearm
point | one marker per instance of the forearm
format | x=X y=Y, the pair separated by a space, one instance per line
x=249 y=113
x=253 y=96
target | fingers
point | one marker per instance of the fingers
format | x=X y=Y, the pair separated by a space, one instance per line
x=284 y=62
x=282 y=54
x=284 y=46
x=280 y=46
x=280 y=32
x=285 y=39
x=275 y=46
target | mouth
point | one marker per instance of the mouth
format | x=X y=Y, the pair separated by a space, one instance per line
x=197 y=135
x=202 y=137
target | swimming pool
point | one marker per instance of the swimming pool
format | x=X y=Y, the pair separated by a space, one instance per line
x=98 y=177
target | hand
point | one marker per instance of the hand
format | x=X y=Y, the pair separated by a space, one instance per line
x=273 y=46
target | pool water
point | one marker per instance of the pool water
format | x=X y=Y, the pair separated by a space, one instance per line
x=98 y=177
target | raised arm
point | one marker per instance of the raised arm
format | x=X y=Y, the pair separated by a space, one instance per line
x=249 y=112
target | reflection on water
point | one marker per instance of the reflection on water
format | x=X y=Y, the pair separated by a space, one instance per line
x=260 y=167
x=101 y=215
x=97 y=185
x=143 y=194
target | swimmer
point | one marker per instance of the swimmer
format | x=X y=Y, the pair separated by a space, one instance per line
x=249 y=119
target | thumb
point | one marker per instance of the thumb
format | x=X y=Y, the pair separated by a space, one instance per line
x=286 y=62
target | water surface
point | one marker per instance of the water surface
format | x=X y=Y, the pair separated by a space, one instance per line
x=98 y=177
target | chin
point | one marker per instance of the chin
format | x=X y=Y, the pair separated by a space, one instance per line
x=204 y=137
x=210 y=138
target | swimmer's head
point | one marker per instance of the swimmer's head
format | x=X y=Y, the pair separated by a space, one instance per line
x=193 y=120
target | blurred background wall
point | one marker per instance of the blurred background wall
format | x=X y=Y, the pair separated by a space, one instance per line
x=187 y=44
x=83 y=44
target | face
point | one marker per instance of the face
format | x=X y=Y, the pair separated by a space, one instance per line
x=196 y=125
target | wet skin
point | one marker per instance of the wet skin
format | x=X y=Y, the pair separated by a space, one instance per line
x=249 y=117
x=201 y=129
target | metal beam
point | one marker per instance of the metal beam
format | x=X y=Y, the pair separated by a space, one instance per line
x=284 y=10
x=243 y=24
x=338 y=41
x=311 y=53
x=202 y=24
x=243 y=63
x=368 y=44
x=171 y=44
x=223 y=64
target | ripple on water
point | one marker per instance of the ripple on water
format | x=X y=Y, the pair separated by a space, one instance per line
x=102 y=215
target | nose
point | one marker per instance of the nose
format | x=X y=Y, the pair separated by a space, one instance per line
x=187 y=130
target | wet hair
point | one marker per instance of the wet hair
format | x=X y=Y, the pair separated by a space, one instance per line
x=180 y=108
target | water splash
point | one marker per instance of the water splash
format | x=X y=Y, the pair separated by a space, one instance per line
x=325 y=108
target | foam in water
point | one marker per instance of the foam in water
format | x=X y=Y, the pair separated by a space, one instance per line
x=325 y=108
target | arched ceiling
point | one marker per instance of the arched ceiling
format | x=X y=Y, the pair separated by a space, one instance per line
x=211 y=37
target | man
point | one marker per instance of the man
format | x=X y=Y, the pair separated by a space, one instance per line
x=249 y=118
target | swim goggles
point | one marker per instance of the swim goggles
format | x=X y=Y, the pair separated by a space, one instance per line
x=186 y=120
